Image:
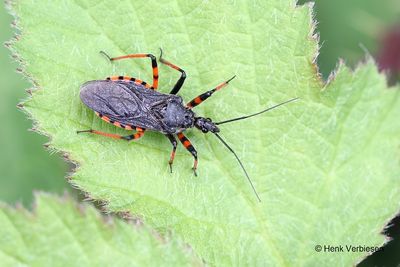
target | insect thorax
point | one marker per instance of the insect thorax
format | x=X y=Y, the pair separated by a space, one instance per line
x=177 y=117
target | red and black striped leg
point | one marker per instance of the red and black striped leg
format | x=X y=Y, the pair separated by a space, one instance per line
x=181 y=80
x=153 y=64
x=199 y=99
x=137 y=135
x=186 y=143
x=174 y=144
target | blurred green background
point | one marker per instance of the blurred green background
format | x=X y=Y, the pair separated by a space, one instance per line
x=24 y=163
x=347 y=30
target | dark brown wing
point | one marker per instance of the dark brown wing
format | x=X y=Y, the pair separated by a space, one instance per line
x=125 y=102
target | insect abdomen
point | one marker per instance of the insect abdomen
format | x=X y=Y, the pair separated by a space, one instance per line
x=115 y=123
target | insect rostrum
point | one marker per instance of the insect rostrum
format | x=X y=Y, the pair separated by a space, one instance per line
x=132 y=104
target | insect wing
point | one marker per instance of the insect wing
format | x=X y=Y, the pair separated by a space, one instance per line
x=124 y=102
x=110 y=98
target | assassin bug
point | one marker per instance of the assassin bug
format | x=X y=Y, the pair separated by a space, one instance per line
x=132 y=104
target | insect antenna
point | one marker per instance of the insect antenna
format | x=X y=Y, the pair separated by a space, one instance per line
x=258 y=113
x=241 y=165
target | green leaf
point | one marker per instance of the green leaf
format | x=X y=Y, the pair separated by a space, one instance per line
x=62 y=233
x=326 y=167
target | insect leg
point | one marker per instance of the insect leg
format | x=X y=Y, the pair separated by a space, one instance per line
x=186 y=143
x=139 y=133
x=174 y=144
x=181 y=80
x=153 y=64
x=199 y=99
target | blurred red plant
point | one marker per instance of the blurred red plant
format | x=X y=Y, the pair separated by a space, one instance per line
x=389 y=54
